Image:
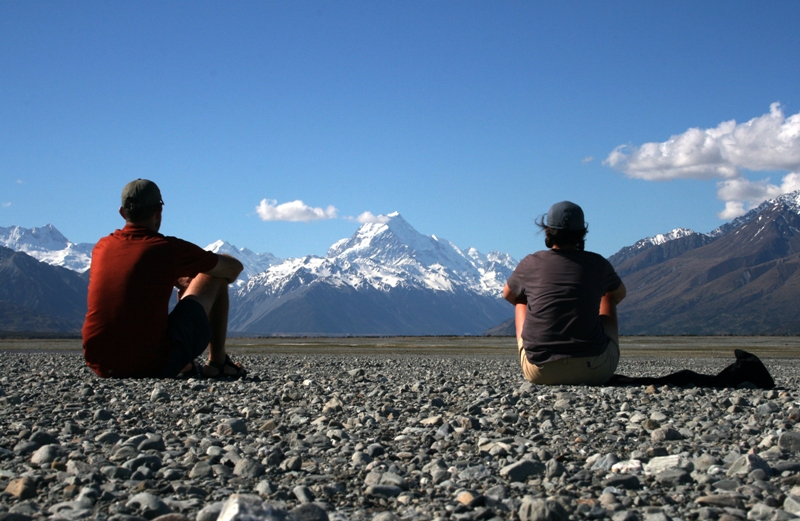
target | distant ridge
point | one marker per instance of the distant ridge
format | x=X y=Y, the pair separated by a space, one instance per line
x=254 y=263
x=48 y=245
x=741 y=279
x=35 y=296
x=388 y=279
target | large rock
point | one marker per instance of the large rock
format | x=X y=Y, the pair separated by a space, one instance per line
x=22 y=488
x=242 y=507
x=147 y=505
x=789 y=441
x=47 y=454
x=248 y=468
x=541 y=510
x=523 y=469
x=747 y=464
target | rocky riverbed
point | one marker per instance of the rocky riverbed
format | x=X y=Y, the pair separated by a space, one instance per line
x=393 y=437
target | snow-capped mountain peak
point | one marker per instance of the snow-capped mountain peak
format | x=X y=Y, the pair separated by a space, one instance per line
x=396 y=243
x=375 y=235
x=254 y=263
x=43 y=238
x=386 y=255
x=790 y=199
x=662 y=238
x=47 y=244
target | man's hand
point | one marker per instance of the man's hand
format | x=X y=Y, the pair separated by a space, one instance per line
x=182 y=284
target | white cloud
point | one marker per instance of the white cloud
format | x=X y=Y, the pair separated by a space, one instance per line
x=766 y=143
x=368 y=217
x=270 y=210
x=6 y=205
x=733 y=209
x=742 y=190
x=586 y=160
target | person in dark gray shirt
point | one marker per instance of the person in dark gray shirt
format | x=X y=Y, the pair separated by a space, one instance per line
x=565 y=302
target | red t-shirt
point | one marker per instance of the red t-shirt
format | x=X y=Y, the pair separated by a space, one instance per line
x=133 y=274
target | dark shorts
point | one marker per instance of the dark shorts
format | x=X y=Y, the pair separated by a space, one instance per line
x=189 y=333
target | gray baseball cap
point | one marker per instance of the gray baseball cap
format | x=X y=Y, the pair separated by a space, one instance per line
x=565 y=216
x=140 y=193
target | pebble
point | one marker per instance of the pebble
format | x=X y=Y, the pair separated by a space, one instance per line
x=533 y=509
x=394 y=437
x=22 y=488
x=522 y=470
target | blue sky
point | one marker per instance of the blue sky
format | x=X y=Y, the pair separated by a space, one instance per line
x=469 y=118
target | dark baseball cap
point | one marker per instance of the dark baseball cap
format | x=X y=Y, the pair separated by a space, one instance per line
x=565 y=216
x=140 y=193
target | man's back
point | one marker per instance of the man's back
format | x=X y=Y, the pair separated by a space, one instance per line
x=132 y=277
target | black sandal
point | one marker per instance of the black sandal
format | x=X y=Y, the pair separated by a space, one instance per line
x=196 y=371
x=220 y=367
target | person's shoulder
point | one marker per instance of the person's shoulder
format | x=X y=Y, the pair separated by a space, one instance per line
x=184 y=245
x=598 y=259
x=110 y=236
x=531 y=260
x=105 y=241
x=533 y=257
x=178 y=241
x=586 y=254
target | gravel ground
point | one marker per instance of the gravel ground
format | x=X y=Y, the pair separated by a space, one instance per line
x=393 y=437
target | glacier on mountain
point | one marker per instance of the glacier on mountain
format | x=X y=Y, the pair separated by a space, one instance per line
x=791 y=200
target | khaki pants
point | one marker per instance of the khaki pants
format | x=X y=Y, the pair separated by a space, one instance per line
x=592 y=370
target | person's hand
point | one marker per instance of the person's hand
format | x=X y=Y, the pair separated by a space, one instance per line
x=183 y=284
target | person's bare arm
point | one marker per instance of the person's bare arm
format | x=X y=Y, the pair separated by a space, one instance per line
x=227 y=268
x=618 y=294
x=520 y=312
x=520 y=309
x=510 y=296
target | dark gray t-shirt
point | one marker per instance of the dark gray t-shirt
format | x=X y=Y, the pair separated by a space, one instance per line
x=563 y=289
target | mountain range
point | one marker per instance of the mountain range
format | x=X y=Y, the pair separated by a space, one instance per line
x=38 y=297
x=388 y=279
x=254 y=263
x=46 y=244
x=741 y=278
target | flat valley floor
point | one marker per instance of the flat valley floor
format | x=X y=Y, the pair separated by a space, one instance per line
x=399 y=429
x=633 y=346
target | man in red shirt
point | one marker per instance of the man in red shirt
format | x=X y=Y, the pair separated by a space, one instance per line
x=129 y=331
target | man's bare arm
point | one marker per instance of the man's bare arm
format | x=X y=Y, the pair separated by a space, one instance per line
x=227 y=268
